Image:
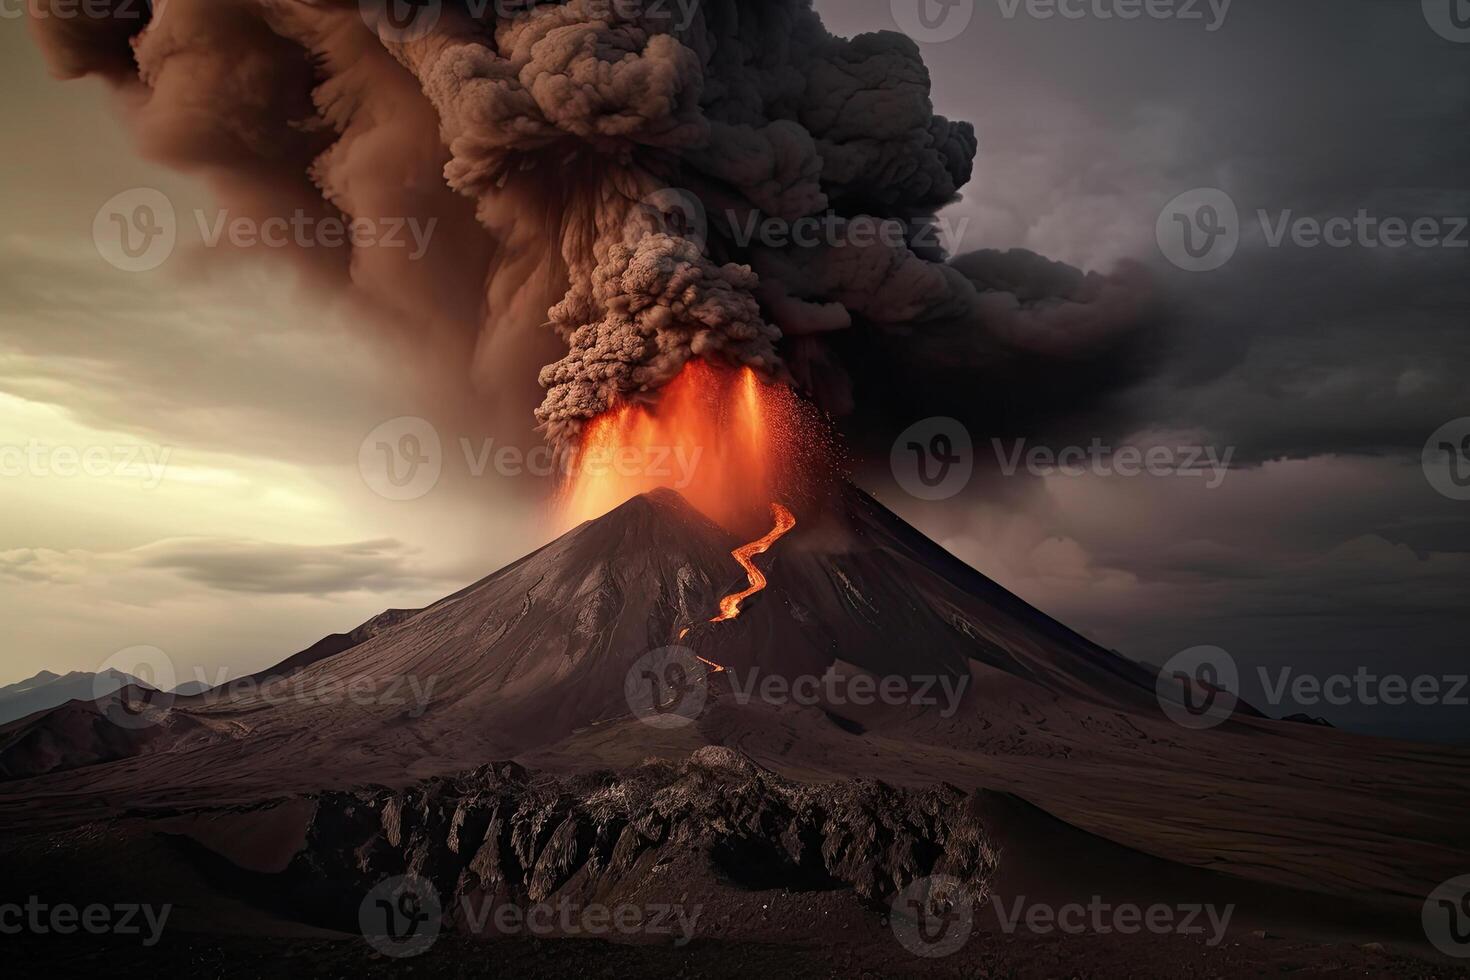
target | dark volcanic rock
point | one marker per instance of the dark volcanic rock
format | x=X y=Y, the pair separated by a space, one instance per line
x=508 y=835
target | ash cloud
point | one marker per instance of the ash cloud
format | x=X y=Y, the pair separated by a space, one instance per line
x=539 y=133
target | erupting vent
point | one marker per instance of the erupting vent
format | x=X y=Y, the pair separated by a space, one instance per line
x=726 y=440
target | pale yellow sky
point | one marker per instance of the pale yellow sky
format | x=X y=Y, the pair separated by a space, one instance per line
x=179 y=447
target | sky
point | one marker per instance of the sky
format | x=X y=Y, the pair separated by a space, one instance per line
x=223 y=404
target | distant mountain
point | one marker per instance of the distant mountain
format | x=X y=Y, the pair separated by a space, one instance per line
x=29 y=684
x=48 y=690
x=333 y=644
x=71 y=734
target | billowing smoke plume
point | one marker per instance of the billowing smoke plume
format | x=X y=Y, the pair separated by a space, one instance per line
x=618 y=184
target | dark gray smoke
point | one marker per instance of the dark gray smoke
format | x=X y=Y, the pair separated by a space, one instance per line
x=598 y=168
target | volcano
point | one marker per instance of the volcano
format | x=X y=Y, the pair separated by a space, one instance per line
x=536 y=655
x=870 y=653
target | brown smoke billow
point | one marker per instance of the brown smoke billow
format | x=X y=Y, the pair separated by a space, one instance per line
x=592 y=165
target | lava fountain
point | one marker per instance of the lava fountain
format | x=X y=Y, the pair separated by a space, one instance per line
x=728 y=441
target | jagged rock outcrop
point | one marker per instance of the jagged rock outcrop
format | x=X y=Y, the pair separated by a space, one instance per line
x=507 y=835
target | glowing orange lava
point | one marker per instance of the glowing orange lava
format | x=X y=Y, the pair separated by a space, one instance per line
x=730 y=605
x=722 y=437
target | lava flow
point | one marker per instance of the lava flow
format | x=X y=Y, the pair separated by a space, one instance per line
x=745 y=554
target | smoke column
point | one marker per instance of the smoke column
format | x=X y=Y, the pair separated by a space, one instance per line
x=607 y=177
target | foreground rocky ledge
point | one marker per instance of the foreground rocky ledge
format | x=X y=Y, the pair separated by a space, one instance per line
x=502 y=834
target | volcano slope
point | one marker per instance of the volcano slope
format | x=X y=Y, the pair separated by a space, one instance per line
x=540 y=663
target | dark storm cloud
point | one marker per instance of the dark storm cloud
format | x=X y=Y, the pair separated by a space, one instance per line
x=1088 y=128
x=1342 y=361
x=1290 y=351
x=1293 y=353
